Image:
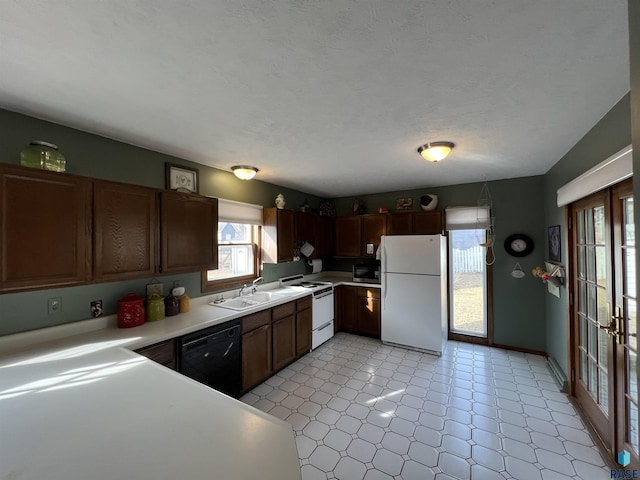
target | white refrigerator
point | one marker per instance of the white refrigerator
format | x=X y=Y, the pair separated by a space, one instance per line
x=414 y=291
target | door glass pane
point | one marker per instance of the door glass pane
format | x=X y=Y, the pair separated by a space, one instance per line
x=591 y=261
x=630 y=270
x=599 y=225
x=591 y=303
x=582 y=298
x=583 y=367
x=633 y=379
x=593 y=340
x=582 y=262
x=603 y=307
x=580 y=224
x=601 y=266
x=632 y=336
x=468 y=282
x=593 y=379
x=603 y=394
x=632 y=421
x=589 y=235
x=583 y=332
x=629 y=233
x=603 y=340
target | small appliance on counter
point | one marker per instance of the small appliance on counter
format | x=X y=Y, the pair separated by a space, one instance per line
x=366 y=273
x=130 y=311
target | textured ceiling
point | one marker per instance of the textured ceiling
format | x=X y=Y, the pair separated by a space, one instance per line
x=328 y=97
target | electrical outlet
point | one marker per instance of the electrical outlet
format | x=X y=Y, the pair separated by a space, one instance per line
x=54 y=305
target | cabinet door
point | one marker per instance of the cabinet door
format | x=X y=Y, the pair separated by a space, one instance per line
x=373 y=227
x=45 y=237
x=163 y=353
x=348 y=313
x=303 y=331
x=323 y=230
x=256 y=356
x=304 y=231
x=347 y=236
x=277 y=235
x=124 y=241
x=400 y=224
x=427 y=223
x=368 y=312
x=189 y=232
x=284 y=341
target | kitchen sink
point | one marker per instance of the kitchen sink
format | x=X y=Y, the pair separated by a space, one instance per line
x=249 y=301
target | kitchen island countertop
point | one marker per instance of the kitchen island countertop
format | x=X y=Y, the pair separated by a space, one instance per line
x=114 y=414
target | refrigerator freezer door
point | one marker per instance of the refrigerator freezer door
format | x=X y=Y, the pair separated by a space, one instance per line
x=412 y=254
x=412 y=311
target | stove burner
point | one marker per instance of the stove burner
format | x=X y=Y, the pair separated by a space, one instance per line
x=306 y=284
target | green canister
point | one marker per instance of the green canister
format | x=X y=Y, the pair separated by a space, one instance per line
x=155 y=307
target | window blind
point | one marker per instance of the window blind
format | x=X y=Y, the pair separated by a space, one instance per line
x=468 y=218
x=614 y=169
x=239 y=212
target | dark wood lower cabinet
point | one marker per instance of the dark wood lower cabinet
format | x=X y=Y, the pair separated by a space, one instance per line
x=256 y=356
x=358 y=310
x=163 y=353
x=272 y=339
x=303 y=331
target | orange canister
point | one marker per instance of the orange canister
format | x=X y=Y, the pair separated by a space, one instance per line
x=130 y=311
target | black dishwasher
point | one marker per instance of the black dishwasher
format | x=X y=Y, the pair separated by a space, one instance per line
x=212 y=356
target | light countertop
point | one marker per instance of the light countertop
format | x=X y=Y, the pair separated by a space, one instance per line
x=112 y=414
x=75 y=404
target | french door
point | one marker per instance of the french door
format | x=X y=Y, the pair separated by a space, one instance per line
x=603 y=327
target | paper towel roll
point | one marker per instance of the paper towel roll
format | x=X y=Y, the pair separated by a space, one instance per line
x=316 y=264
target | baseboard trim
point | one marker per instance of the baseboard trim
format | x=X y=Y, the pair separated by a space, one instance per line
x=558 y=375
x=519 y=349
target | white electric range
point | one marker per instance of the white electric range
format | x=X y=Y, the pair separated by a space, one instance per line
x=322 y=306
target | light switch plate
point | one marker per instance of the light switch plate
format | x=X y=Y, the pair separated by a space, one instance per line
x=54 y=305
x=370 y=249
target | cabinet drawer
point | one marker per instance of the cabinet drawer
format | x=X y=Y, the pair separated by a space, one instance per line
x=251 y=322
x=303 y=303
x=285 y=310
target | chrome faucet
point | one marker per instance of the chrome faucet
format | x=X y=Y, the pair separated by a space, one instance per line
x=256 y=281
x=241 y=292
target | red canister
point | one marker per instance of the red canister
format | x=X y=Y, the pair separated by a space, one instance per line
x=130 y=311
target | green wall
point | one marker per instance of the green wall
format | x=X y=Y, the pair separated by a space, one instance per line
x=99 y=157
x=518 y=304
x=610 y=134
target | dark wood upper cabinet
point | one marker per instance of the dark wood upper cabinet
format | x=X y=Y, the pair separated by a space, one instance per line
x=45 y=238
x=348 y=236
x=373 y=227
x=400 y=223
x=427 y=223
x=303 y=227
x=323 y=229
x=125 y=239
x=189 y=232
x=278 y=240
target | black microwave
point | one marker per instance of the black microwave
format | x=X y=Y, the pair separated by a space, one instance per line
x=366 y=273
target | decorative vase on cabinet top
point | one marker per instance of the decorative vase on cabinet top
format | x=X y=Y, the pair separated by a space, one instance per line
x=43 y=155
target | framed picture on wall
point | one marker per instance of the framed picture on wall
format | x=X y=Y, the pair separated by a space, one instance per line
x=183 y=179
x=554 y=244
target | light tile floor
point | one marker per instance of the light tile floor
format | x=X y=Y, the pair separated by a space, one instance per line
x=364 y=410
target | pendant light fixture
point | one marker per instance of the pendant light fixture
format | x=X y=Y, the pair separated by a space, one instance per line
x=435 y=151
x=244 y=172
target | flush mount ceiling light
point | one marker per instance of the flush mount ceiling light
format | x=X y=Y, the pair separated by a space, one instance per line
x=244 y=172
x=435 y=151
